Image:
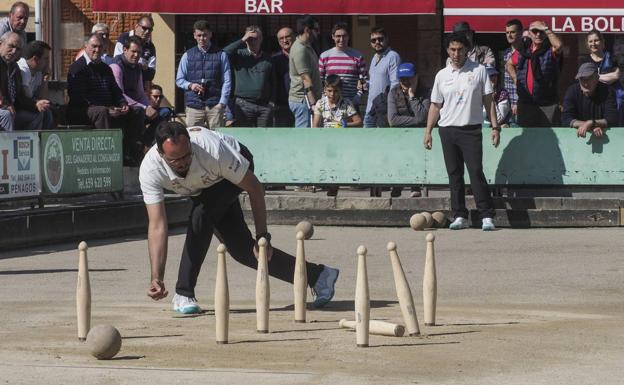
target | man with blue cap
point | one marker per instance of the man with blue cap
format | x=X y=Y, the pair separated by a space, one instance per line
x=408 y=106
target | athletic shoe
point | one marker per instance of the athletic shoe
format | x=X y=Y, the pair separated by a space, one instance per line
x=487 y=224
x=324 y=289
x=185 y=305
x=459 y=223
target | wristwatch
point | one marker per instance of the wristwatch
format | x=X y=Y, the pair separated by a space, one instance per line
x=266 y=236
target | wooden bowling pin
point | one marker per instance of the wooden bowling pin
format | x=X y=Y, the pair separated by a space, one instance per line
x=300 y=280
x=222 y=298
x=362 y=300
x=377 y=327
x=263 y=293
x=83 y=293
x=430 y=284
x=406 y=301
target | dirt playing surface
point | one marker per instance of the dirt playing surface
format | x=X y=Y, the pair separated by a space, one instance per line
x=514 y=307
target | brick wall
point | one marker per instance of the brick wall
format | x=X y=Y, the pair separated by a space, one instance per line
x=80 y=11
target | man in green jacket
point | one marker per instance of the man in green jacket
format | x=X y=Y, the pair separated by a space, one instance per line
x=255 y=80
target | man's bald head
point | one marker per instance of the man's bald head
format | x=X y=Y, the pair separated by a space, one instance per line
x=285 y=38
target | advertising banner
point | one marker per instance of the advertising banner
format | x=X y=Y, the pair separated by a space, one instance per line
x=75 y=162
x=19 y=165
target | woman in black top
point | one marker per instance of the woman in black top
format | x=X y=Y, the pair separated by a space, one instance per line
x=608 y=67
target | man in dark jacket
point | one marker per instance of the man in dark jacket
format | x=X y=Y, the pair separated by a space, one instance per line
x=408 y=106
x=95 y=98
x=12 y=94
x=255 y=80
x=589 y=105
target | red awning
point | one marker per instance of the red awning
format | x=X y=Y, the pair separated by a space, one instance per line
x=567 y=16
x=268 y=7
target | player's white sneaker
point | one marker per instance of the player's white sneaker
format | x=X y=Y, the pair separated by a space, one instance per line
x=185 y=305
x=487 y=224
x=459 y=223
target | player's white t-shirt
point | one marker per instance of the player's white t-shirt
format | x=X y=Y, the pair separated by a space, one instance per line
x=216 y=156
x=461 y=93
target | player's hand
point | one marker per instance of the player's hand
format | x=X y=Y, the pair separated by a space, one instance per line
x=256 y=251
x=598 y=132
x=157 y=290
x=495 y=137
x=124 y=109
x=427 y=141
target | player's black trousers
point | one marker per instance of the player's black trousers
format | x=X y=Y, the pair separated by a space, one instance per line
x=217 y=210
x=464 y=144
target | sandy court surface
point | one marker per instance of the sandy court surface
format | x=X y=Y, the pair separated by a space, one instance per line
x=514 y=307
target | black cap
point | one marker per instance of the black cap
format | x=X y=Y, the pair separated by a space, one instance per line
x=461 y=26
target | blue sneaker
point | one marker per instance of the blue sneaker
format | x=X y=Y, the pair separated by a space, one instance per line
x=185 y=305
x=324 y=289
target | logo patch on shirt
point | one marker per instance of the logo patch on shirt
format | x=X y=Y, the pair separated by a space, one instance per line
x=195 y=129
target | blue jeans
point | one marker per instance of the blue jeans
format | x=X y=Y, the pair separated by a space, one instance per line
x=301 y=112
x=370 y=120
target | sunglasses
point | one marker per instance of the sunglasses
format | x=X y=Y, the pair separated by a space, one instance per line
x=146 y=29
x=377 y=40
x=536 y=31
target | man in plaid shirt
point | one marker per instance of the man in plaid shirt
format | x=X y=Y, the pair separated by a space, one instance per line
x=513 y=33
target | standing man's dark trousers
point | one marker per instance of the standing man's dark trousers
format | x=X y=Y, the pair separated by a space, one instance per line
x=461 y=145
x=249 y=114
x=217 y=209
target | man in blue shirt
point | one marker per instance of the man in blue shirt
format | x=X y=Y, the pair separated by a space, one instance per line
x=204 y=75
x=382 y=71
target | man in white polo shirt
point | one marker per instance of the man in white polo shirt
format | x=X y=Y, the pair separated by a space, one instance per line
x=213 y=169
x=459 y=93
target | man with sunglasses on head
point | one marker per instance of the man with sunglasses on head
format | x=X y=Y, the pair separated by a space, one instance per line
x=213 y=169
x=535 y=67
x=147 y=61
x=382 y=71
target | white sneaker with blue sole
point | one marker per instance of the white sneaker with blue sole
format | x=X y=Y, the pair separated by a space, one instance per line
x=185 y=305
x=459 y=223
x=487 y=224
x=324 y=287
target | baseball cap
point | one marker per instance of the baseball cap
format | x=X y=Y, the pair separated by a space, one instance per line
x=406 y=70
x=586 y=70
x=461 y=26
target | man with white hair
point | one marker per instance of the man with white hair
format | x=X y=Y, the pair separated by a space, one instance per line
x=103 y=31
x=12 y=95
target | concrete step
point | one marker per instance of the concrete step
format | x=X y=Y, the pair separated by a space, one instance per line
x=76 y=222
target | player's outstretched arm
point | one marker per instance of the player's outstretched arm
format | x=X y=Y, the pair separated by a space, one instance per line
x=157 y=248
x=254 y=188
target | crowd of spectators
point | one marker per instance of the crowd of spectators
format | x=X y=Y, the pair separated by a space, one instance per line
x=242 y=85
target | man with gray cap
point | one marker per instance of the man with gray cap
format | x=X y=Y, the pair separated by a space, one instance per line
x=589 y=105
x=481 y=54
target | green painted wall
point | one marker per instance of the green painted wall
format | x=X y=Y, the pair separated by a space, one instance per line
x=544 y=156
